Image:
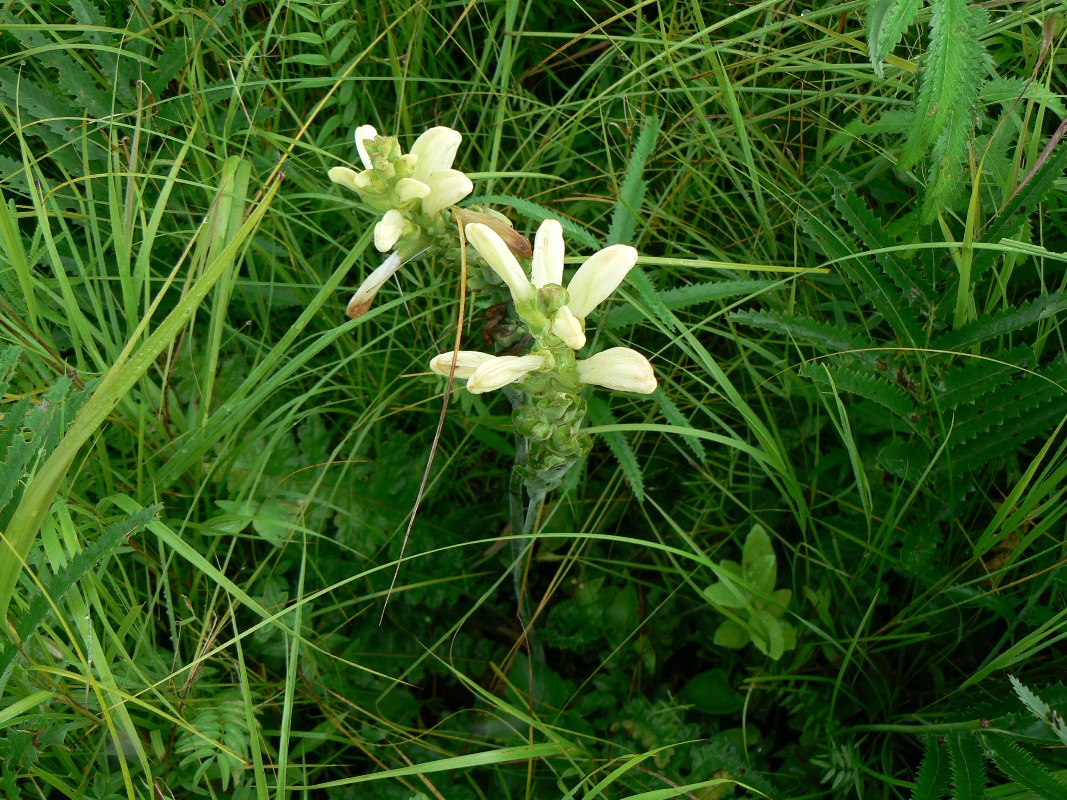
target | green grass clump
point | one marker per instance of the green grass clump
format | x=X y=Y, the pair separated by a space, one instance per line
x=851 y=288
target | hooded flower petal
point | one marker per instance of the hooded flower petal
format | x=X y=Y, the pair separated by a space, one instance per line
x=345 y=177
x=467 y=361
x=502 y=370
x=547 y=266
x=435 y=150
x=388 y=230
x=447 y=187
x=619 y=368
x=363 y=133
x=410 y=189
x=569 y=329
x=598 y=277
x=492 y=248
x=364 y=296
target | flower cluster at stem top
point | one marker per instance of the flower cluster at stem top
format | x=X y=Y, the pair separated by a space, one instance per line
x=410 y=191
x=556 y=318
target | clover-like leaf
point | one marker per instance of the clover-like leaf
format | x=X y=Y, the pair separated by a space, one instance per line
x=731 y=634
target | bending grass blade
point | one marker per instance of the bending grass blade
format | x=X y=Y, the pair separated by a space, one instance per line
x=128 y=368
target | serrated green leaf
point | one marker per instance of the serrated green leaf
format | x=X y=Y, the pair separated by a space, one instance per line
x=1023 y=768
x=77 y=568
x=975 y=377
x=821 y=334
x=869 y=385
x=967 y=767
x=1010 y=91
x=854 y=211
x=600 y=414
x=632 y=190
x=674 y=416
x=886 y=22
x=948 y=79
x=1043 y=307
x=685 y=296
x=932 y=778
x=1029 y=698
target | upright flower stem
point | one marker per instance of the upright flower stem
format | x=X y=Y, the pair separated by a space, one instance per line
x=523 y=516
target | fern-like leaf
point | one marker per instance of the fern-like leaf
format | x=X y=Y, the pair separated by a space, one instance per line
x=932 y=778
x=949 y=153
x=1022 y=768
x=823 y=335
x=886 y=22
x=967 y=767
x=74 y=570
x=976 y=377
x=632 y=191
x=674 y=416
x=867 y=385
x=600 y=414
x=1010 y=319
x=684 y=296
x=948 y=86
x=1009 y=91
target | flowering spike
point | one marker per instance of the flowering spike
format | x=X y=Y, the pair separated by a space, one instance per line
x=618 y=368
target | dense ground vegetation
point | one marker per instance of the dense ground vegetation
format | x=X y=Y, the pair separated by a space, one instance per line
x=824 y=559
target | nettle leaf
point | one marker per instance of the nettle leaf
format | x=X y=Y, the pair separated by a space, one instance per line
x=886 y=22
